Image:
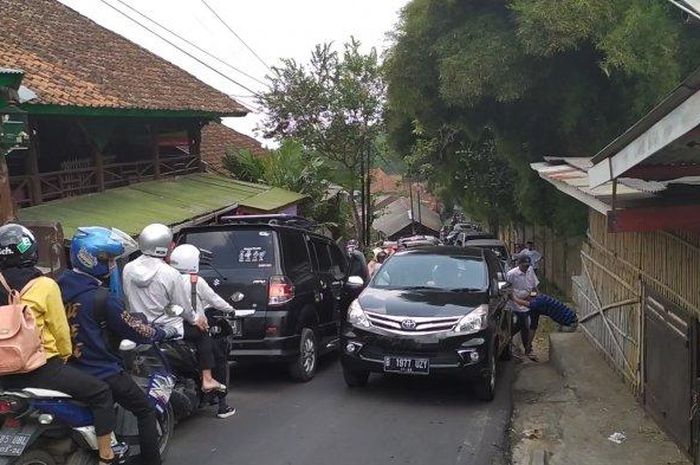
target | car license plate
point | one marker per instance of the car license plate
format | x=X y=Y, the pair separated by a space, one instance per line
x=415 y=366
x=13 y=442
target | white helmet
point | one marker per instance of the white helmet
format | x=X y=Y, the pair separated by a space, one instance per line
x=185 y=259
x=155 y=240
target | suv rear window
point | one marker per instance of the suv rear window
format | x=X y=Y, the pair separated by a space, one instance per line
x=237 y=249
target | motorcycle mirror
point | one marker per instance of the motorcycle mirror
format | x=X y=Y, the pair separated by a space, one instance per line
x=174 y=310
x=126 y=345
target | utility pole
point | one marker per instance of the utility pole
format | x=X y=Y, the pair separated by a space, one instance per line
x=368 y=197
x=410 y=200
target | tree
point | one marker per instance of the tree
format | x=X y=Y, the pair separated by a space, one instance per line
x=334 y=107
x=290 y=167
x=548 y=77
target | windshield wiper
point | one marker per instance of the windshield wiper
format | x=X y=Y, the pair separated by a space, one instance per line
x=417 y=288
x=466 y=289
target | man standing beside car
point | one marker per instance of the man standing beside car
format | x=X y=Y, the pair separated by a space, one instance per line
x=524 y=282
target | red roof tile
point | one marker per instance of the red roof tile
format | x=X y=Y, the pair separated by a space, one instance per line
x=218 y=139
x=71 y=60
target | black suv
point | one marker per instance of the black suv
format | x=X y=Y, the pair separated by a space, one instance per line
x=291 y=283
x=434 y=310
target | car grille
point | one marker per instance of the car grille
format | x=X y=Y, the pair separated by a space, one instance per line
x=412 y=325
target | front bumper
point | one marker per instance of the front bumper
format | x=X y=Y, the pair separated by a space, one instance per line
x=448 y=353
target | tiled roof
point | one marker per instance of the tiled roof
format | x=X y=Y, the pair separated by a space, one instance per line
x=218 y=139
x=71 y=60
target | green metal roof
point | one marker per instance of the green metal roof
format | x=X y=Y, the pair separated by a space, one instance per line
x=171 y=201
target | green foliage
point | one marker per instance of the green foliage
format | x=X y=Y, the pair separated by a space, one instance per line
x=549 y=77
x=333 y=106
x=290 y=167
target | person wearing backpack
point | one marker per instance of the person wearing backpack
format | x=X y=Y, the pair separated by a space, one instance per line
x=99 y=319
x=25 y=291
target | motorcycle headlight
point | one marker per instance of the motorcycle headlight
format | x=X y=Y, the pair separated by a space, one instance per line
x=476 y=321
x=357 y=316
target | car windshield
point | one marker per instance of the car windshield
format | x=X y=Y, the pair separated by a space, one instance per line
x=425 y=271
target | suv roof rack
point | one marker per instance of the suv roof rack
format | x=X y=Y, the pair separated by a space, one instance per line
x=273 y=220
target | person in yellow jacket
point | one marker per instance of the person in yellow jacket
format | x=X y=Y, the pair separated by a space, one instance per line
x=18 y=258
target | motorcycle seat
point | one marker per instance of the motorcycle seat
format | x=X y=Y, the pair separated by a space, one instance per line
x=46 y=393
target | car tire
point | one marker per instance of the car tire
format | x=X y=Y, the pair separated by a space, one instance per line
x=507 y=353
x=485 y=386
x=355 y=378
x=35 y=457
x=303 y=368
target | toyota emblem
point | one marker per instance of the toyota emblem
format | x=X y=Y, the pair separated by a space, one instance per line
x=408 y=324
x=237 y=296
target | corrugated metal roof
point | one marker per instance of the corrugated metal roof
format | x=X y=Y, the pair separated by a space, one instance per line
x=171 y=201
x=397 y=215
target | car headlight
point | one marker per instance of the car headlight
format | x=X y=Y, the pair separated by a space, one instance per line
x=357 y=316
x=476 y=321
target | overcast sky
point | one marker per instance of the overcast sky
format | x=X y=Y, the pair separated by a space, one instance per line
x=272 y=28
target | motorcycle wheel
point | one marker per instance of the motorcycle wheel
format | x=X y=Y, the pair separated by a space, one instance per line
x=38 y=457
x=166 y=427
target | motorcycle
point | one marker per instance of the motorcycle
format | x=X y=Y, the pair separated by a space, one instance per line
x=181 y=356
x=47 y=427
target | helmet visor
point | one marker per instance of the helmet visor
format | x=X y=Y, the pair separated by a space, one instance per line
x=130 y=245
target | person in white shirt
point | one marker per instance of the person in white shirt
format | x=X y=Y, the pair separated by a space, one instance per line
x=150 y=285
x=535 y=256
x=185 y=259
x=524 y=282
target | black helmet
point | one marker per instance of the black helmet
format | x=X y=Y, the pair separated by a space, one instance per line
x=18 y=246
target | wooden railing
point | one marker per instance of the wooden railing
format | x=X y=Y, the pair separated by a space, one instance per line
x=83 y=178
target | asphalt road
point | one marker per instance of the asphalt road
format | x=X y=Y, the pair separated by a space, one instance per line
x=394 y=420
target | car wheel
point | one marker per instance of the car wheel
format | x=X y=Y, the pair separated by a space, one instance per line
x=35 y=457
x=485 y=386
x=355 y=378
x=303 y=368
x=507 y=353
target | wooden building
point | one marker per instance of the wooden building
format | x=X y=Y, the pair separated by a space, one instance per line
x=115 y=131
x=638 y=294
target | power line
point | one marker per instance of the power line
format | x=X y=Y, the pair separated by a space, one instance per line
x=191 y=43
x=179 y=48
x=236 y=35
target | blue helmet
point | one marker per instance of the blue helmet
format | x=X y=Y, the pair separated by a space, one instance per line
x=92 y=248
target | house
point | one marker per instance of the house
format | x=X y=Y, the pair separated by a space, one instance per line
x=218 y=140
x=638 y=295
x=115 y=131
x=398 y=220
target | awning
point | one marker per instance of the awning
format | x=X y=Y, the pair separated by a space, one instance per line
x=630 y=204
x=664 y=144
x=185 y=200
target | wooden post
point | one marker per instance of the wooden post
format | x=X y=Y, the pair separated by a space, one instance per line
x=32 y=164
x=194 y=139
x=7 y=211
x=155 y=151
x=97 y=159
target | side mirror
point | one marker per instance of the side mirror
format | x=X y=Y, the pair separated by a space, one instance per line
x=355 y=282
x=127 y=345
x=174 y=310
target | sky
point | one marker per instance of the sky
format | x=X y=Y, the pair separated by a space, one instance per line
x=273 y=29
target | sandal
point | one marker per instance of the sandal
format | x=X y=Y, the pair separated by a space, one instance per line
x=218 y=388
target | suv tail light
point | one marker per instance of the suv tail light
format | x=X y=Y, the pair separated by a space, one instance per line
x=280 y=291
x=10 y=405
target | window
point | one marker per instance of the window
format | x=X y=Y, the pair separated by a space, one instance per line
x=432 y=272
x=236 y=249
x=339 y=259
x=294 y=253
x=323 y=256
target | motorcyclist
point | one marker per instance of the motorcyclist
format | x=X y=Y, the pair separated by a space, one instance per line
x=150 y=285
x=185 y=259
x=18 y=259
x=98 y=317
